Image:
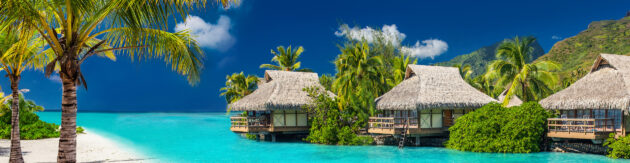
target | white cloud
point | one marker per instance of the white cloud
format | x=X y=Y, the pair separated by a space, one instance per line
x=427 y=49
x=389 y=33
x=554 y=37
x=55 y=78
x=215 y=36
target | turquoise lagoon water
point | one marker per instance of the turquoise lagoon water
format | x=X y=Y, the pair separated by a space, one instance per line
x=205 y=137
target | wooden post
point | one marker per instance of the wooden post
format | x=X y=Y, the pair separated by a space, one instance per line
x=417 y=140
x=273 y=137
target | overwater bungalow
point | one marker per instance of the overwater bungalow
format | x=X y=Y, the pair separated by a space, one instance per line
x=594 y=106
x=276 y=106
x=426 y=103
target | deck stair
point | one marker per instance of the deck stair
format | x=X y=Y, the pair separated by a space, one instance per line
x=403 y=135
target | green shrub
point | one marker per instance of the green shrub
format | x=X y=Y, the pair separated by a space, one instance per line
x=331 y=125
x=618 y=148
x=30 y=126
x=493 y=128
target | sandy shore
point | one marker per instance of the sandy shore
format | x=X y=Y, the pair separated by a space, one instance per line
x=90 y=148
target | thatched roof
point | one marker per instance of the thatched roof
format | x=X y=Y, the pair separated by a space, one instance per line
x=429 y=87
x=514 y=101
x=606 y=86
x=281 y=90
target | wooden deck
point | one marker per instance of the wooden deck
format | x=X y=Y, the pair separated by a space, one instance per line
x=580 y=128
x=392 y=126
x=253 y=125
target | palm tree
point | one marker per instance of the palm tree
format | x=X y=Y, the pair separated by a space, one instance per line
x=326 y=80
x=484 y=85
x=286 y=59
x=465 y=71
x=238 y=86
x=530 y=81
x=75 y=30
x=360 y=76
x=20 y=49
x=399 y=68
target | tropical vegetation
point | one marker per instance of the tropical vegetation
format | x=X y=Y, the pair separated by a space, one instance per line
x=577 y=53
x=528 y=81
x=75 y=30
x=20 y=49
x=286 y=59
x=326 y=80
x=494 y=128
x=365 y=71
x=238 y=86
x=479 y=59
x=329 y=123
x=31 y=127
x=618 y=148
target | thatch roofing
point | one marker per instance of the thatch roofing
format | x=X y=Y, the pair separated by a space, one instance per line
x=432 y=87
x=606 y=86
x=281 y=90
x=514 y=101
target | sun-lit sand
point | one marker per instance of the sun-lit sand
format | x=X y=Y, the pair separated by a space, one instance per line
x=90 y=148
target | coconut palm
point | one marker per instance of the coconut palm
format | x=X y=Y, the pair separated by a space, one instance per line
x=238 y=86
x=399 y=68
x=286 y=59
x=75 y=30
x=360 y=76
x=20 y=49
x=465 y=71
x=529 y=81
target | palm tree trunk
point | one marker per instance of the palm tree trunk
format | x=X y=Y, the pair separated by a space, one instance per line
x=16 y=150
x=68 y=133
x=525 y=98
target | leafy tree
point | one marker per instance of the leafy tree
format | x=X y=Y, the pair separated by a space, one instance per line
x=286 y=59
x=359 y=80
x=483 y=84
x=238 y=86
x=20 y=49
x=31 y=127
x=530 y=81
x=399 y=69
x=75 y=30
x=465 y=71
x=618 y=148
x=329 y=123
x=493 y=128
x=326 y=80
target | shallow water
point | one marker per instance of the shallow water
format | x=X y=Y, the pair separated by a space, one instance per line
x=205 y=137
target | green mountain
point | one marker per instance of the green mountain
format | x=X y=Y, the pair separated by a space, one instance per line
x=479 y=59
x=577 y=53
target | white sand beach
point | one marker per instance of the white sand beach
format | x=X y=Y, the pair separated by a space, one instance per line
x=90 y=148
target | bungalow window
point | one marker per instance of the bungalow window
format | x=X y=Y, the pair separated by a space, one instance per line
x=431 y=118
x=302 y=119
x=616 y=116
x=290 y=118
x=457 y=113
x=278 y=118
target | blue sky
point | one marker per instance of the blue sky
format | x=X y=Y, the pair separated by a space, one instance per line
x=240 y=38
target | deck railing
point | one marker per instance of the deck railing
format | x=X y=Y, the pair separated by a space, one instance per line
x=392 y=122
x=581 y=125
x=238 y=121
